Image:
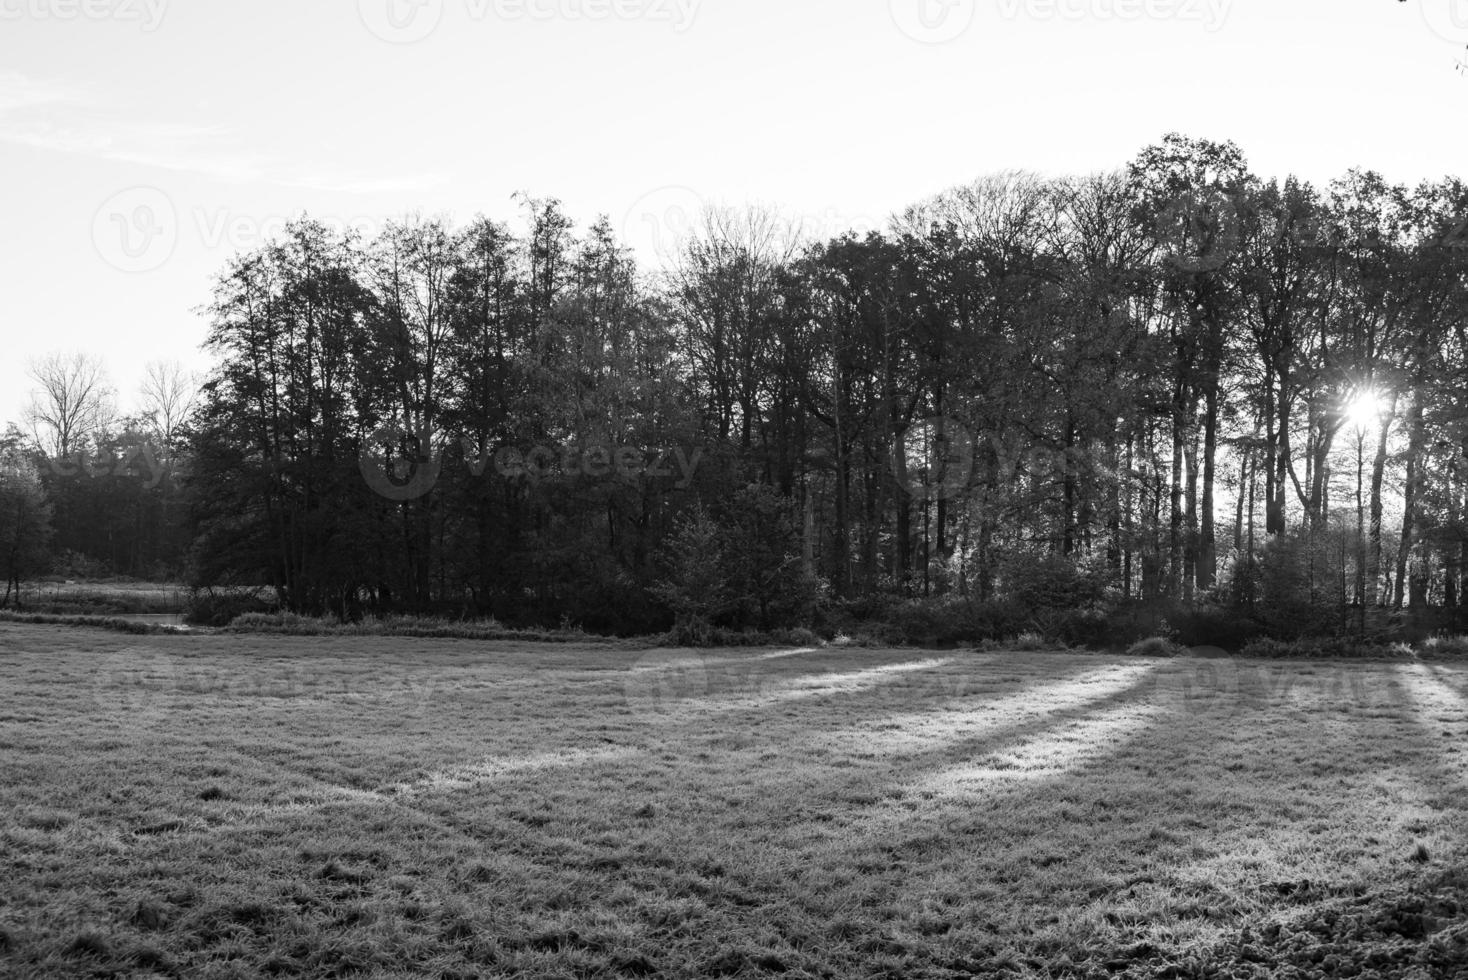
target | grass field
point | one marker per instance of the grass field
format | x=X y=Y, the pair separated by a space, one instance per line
x=237 y=806
x=104 y=598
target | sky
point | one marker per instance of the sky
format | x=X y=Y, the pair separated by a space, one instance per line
x=144 y=142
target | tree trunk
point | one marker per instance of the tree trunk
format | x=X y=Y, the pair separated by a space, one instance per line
x=1378 y=596
x=1208 y=543
x=1416 y=438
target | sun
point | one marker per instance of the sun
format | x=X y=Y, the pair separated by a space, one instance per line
x=1365 y=409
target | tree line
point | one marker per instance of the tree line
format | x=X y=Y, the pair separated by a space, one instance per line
x=1173 y=384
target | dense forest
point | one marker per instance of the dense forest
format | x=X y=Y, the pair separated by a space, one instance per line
x=1176 y=391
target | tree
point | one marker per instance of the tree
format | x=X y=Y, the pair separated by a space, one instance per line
x=166 y=397
x=695 y=588
x=25 y=521
x=71 y=402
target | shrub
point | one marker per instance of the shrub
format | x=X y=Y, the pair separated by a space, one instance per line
x=799 y=637
x=1267 y=648
x=1450 y=646
x=1213 y=626
x=1156 y=646
x=1030 y=643
x=206 y=607
x=281 y=622
x=859 y=640
x=952 y=621
x=1076 y=627
x=930 y=623
x=1049 y=581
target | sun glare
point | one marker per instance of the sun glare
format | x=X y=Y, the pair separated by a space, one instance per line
x=1365 y=410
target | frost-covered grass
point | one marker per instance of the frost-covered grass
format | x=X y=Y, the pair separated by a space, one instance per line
x=240 y=805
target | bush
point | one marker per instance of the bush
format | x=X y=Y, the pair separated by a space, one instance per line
x=1213 y=626
x=1267 y=648
x=800 y=637
x=859 y=640
x=1049 y=581
x=281 y=622
x=952 y=621
x=1156 y=646
x=94 y=622
x=1077 y=627
x=206 y=607
x=1446 y=646
x=930 y=623
x=718 y=637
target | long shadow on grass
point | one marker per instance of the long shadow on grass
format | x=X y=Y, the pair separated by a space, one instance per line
x=1032 y=710
x=1434 y=704
x=1112 y=846
x=788 y=767
x=850 y=691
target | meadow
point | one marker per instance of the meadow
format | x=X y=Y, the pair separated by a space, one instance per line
x=115 y=597
x=225 y=805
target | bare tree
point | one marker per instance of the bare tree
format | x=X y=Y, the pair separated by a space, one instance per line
x=72 y=400
x=167 y=396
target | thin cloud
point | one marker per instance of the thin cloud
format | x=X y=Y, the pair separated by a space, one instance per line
x=51 y=116
x=19 y=92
